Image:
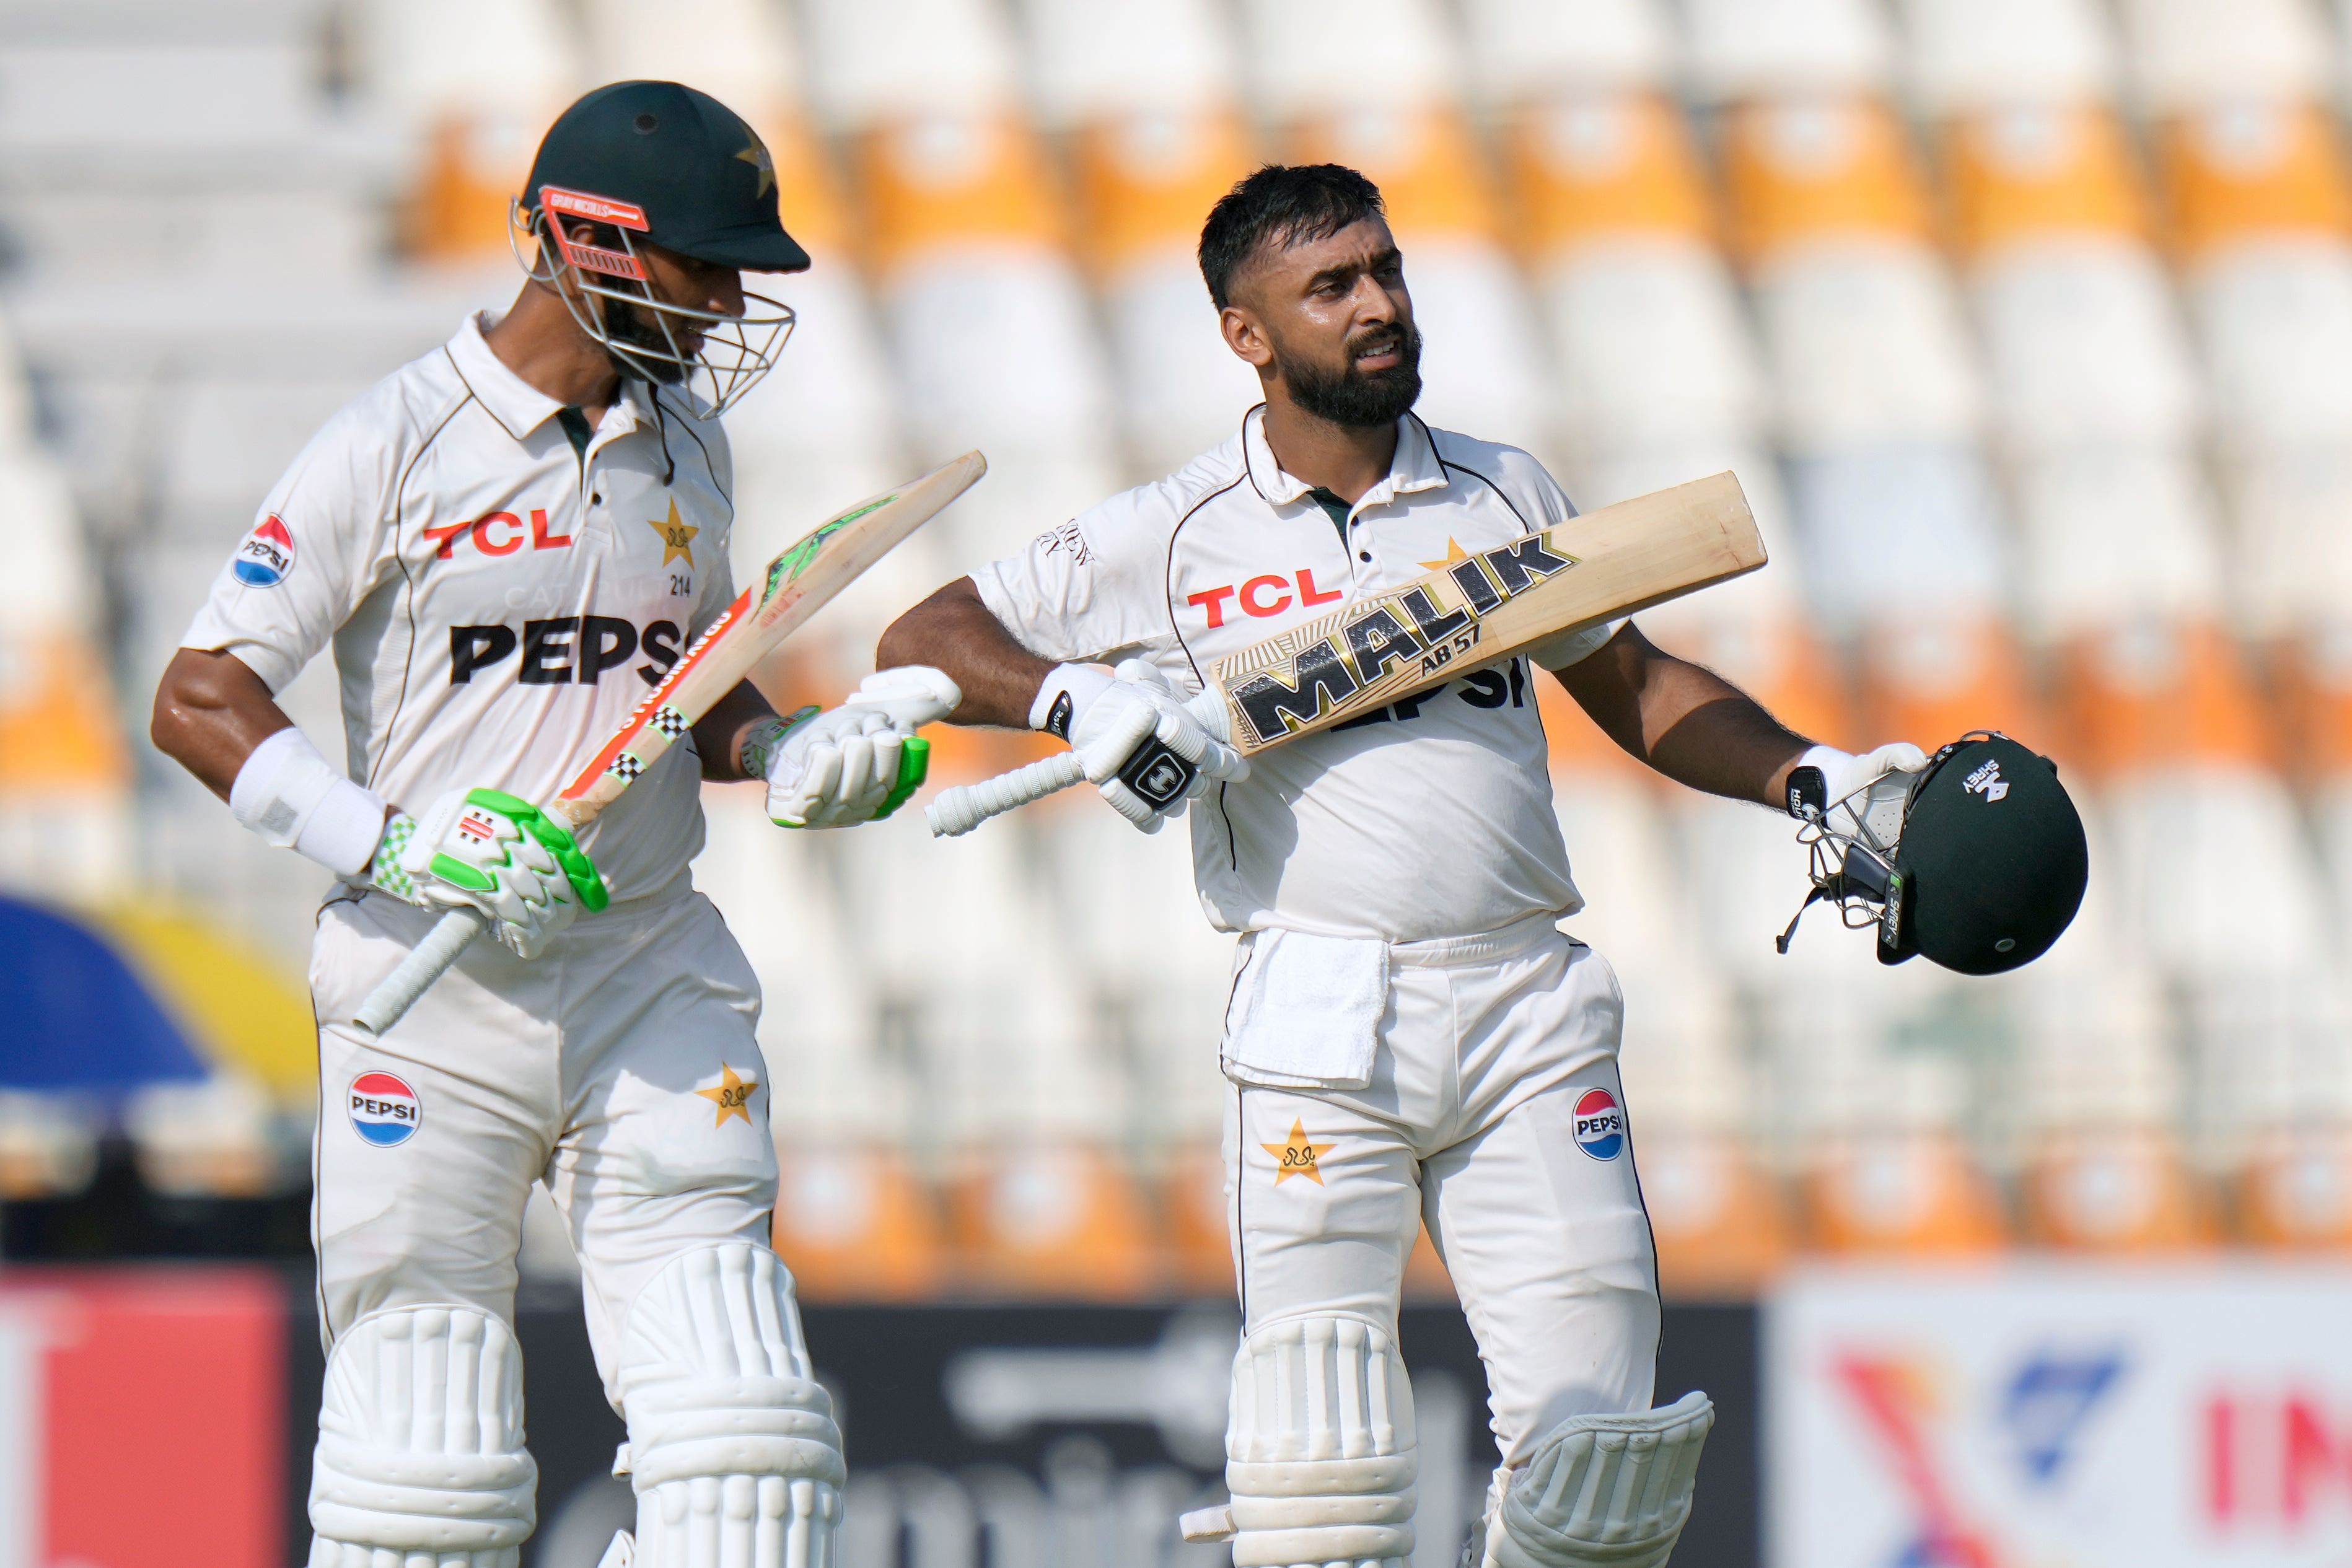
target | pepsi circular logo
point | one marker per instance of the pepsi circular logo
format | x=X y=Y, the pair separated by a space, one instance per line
x=1600 y=1124
x=267 y=555
x=384 y=1111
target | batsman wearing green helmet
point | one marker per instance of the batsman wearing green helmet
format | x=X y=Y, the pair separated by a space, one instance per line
x=507 y=543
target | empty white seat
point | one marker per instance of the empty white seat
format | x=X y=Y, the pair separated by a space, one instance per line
x=2185 y=53
x=2110 y=532
x=869 y=64
x=1759 y=49
x=1522 y=51
x=1622 y=857
x=1652 y=346
x=1758 y=599
x=1894 y=531
x=2276 y=321
x=2083 y=343
x=1406 y=46
x=1866 y=343
x=1093 y=60
x=1972 y=54
x=2212 y=875
x=1482 y=364
x=1180 y=390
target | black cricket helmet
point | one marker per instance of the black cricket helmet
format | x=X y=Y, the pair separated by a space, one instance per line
x=1983 y=870
x=655 y=162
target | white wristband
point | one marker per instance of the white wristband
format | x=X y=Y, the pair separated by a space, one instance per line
x=293 y=798
x=1069 y=690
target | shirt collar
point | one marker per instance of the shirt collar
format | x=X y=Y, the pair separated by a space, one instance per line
x=1416 y=467
x=517 y=406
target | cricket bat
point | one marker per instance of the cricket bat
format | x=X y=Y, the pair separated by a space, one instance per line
x=1475 y=611
x=794 y=587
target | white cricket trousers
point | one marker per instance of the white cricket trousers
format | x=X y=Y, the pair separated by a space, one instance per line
x=1489 y=1046
x=619 y=1067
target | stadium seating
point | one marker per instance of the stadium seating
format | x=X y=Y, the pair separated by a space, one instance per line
x=2024 y=323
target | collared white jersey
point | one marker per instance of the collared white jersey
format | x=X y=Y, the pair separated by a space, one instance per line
x=1432 y=817
x=498 y=599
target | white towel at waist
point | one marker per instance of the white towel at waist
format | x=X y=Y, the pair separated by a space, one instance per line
x=1305 y=1011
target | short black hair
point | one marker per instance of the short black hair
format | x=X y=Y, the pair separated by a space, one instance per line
x=1282 y=204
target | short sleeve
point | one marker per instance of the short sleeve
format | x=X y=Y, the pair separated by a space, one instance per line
x=1096 y=584
x=307 y=560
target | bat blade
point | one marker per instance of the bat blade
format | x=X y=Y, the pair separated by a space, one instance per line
x=791 y=588
x=1492 y=603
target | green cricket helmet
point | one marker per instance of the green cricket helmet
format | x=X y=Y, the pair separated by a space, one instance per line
x=1981 y=871
x=657 y=162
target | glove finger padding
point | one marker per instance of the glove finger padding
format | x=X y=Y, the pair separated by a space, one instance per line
x=495 y=852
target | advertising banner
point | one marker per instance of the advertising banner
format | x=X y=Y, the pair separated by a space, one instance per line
x=2060 y=1416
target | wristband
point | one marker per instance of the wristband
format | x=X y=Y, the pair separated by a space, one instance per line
x=1068 y=691
x=290 y=796
x=1809 y=780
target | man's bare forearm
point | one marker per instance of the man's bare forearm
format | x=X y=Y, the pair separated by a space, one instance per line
x=211 y=711
x=1686 y=721
x=954 y=630
x=719 y=735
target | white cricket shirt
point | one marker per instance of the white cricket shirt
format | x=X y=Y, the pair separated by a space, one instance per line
x=498 y=600
x=1432 y=818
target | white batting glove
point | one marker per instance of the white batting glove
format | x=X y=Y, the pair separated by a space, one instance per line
x=1860 y=796
x=496 y=852
x=858 y=762
x=1111 y=717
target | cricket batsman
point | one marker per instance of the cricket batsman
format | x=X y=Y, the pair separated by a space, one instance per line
x=507 y=542
x=1410 y=1036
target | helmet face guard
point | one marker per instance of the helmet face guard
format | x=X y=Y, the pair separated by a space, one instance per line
x=734 y=353
x=1978 y=861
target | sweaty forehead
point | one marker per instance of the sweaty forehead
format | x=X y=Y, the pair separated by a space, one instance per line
x=1281 y=265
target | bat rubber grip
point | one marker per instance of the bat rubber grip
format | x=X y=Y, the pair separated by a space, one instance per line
x=959 y=811
x=426 y=963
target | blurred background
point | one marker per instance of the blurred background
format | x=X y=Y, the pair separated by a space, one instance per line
x=2027 y=326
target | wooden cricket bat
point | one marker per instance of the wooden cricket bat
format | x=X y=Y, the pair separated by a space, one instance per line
x=1613 y=562
x=794 y=587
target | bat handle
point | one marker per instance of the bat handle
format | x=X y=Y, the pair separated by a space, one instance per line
x=426 y=962
x=959 y=810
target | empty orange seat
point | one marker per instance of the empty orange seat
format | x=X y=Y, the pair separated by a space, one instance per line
x=2252 y=171
x=858 y=1224
x=953 y=182
x=472 y=168
x=2155 y=694
x=1918 y=1192
x=56 y=719
x=2032 y=171
x=2295 y=1189
x=1200 y=1250
x=2118 y=1189
x=1930 y=681
x=1146 y=184
x=1814 y=169
x=1599 y=169
x=1429 y=167
x=1052 y=1219
x=1721 y=1226
x=2314 y=677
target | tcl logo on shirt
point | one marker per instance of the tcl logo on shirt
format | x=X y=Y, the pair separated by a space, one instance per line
x=1263 y=596
x=565 y=650
x=496 y=533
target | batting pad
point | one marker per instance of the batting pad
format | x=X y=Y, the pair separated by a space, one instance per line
x=1605 y=1492
x=420 y=1453
x=733 y=1446
x=1321 y=1458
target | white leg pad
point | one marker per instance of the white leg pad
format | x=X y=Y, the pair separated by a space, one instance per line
x=1320 y=1459
x=1603 y=1491
x=733 y=1446
x=420 y=1461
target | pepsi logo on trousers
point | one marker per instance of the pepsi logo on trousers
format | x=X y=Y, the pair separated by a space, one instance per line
x=384 y=1111
x=1600 y=1124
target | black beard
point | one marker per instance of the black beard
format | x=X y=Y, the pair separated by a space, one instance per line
x=629 y=328
x=1359 y=400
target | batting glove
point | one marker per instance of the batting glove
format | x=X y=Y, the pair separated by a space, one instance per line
x=858 y=763
x=492 y=852
x=1141 y=744
x=1858 y=796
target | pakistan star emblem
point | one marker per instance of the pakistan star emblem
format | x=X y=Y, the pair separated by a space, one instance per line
x=1298 y=1158
x=677 y=535
x=756 y=155
x=732 y=1094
